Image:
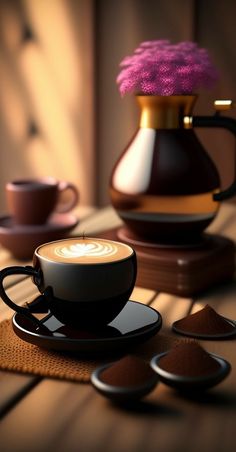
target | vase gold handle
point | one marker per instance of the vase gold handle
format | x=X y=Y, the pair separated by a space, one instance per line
x=224 y=122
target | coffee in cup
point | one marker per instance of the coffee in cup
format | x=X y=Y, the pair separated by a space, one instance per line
x=31 y=201
x=85 y=281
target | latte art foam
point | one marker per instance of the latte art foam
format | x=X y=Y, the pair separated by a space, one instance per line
x=84 y=250
x=94 y=249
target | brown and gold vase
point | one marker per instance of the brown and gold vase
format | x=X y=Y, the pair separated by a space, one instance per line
x=165 y=187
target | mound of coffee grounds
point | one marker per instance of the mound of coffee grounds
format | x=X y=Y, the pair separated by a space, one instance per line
x=189 y=359
x=128 y=371
x=205 y=321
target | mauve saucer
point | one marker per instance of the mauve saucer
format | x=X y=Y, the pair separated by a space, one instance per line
x=134 y=324
x=22 y=240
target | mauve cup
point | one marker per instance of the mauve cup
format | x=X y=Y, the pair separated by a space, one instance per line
x=31 y=201
x=85 y=281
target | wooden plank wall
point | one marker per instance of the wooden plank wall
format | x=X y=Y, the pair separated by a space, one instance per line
x=60 y=109
x=46 y=92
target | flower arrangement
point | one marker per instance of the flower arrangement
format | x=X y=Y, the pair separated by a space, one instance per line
x=162 y=68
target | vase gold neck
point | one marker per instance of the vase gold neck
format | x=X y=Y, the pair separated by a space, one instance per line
x=165 y=112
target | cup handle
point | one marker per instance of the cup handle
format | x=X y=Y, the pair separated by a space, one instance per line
x=16 y=270
x=74 y=198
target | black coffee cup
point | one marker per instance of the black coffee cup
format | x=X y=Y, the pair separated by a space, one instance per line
x=85 y=281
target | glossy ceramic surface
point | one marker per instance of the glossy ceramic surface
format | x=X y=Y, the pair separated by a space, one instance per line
x=81 y=287
x=135 y=324
x=118 y=393
x=189 y=384
x=170 y=193
x=31 y=201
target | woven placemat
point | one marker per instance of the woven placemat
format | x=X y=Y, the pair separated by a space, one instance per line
x=19 y=356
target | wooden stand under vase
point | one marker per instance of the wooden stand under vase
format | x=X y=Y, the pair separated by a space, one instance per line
x=183 y=271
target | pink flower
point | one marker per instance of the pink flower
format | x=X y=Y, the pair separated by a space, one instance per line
x=161 y=68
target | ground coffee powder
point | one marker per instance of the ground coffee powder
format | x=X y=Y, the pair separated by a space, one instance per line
x=189 y=359
x=128 y=371
x=205 y=321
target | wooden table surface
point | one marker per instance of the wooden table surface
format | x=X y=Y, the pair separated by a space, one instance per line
x=40 y=414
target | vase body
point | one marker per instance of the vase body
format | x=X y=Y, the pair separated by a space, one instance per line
x=163 y=184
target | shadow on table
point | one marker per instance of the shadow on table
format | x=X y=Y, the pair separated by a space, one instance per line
x=221 y=399
x=148 y=408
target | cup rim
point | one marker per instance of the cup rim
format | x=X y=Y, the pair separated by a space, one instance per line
x=23 y=184
x=44 y=258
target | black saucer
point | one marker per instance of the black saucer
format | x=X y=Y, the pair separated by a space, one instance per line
x=135 y=324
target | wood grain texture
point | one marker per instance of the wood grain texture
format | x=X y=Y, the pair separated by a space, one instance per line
x=74 y=417
x=62 y=416
x=171 y=308
x=35 y=89
x=13 y=388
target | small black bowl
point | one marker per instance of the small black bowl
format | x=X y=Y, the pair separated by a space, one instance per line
x=121 y=394
x=188 y=384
